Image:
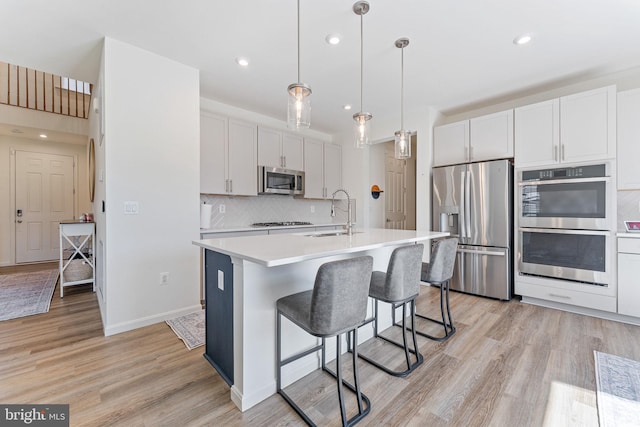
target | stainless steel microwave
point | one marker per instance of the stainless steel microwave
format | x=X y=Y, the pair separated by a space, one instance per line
x=280 y=181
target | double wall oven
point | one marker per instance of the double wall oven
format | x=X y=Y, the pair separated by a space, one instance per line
x=565 y=225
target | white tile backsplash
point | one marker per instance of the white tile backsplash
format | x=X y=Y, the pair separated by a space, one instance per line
x=628 y=207
x=244 y=211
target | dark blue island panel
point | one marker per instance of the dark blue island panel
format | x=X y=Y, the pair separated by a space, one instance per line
x=219 y=313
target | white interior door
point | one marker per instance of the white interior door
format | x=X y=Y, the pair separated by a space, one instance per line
x=44 y=196
x=395 y=190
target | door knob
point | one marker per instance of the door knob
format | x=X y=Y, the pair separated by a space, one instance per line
x=19 y=221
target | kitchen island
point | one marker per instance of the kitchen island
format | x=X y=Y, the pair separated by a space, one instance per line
x=245 y=276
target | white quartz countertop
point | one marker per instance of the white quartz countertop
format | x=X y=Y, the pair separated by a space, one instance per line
x=278 y=227
x=281 y=249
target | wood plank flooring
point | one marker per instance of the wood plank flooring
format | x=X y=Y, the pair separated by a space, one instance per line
x=508 y=364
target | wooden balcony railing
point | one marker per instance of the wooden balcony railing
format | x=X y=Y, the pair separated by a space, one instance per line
x=38 y=90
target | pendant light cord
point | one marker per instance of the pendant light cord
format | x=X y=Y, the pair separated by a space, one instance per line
x=402 y=89
x=299 y=42
x=361 y=61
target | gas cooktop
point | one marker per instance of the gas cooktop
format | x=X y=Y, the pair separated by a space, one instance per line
x=280 y=224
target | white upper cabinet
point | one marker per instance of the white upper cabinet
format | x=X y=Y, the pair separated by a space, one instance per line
x=242 y=159
x=322 y=168
x=487 y=137
x=491 y=136
x=588 y=125
x=574 y=128
x=332 y=168
x=537 y=133
x=451 y=143
x=293 y=151
x=213 y=156
x=228 y=156
x=628 y=140
x=280 y=149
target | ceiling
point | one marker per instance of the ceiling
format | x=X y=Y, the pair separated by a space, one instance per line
x=461 y=52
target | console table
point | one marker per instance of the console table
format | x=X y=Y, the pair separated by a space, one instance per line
x=79 y=267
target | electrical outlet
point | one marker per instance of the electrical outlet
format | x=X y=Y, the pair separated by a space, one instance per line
x=313 y=209
x=222 y=208
x=164 y=278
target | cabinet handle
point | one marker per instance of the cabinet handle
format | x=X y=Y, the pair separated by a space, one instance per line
x=284 y=161
x=562 y=151
x=555 y=152
x=226 y=185
x=230 y=186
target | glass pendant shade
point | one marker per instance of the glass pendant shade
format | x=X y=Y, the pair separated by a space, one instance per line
x=403 y=144
x=299 y=106
x=362 y=129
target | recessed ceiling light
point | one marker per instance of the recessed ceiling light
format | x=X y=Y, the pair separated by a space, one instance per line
x=333 y=39
x=242 y=61
x=347 y=107
x=522 y=39
x=42 y=135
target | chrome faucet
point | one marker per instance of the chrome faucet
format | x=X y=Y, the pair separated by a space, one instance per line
x=349 y=225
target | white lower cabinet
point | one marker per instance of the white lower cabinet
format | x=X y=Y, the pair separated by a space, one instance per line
x=628 y=282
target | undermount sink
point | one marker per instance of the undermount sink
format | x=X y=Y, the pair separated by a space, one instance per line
x=332 y=233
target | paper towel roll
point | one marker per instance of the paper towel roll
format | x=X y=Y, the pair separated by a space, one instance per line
x=205 y=215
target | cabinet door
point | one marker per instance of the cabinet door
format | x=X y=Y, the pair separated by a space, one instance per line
x=491 y=136
x=332 y=168
x=292 y=151
x=451 y=143
x=313 y=169
x=243 y=158
x=587 y=129
x=628 y=286
x=269 y=142
x=213 y=155
x=628 y=140
x=537 y=133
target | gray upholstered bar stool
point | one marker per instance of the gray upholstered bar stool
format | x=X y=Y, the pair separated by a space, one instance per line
x=439 y=272
x=398 y=286
x=336 y=305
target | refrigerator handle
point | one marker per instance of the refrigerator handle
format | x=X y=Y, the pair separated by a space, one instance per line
x=467 y=204
x=463 y=212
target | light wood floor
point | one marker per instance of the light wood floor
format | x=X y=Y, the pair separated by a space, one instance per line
x=509 y=364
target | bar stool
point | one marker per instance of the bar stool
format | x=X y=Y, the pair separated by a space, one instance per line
x=399 y=286
x=439 y=271
x=336 y=305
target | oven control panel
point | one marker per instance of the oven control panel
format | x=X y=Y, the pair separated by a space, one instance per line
x=590 y=171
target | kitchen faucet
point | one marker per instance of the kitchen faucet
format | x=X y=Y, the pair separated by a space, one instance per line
x=349 y=225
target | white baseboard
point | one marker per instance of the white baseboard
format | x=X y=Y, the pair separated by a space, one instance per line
x=149 y=320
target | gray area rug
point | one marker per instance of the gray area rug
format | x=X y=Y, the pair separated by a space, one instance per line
x=26 y=294
x=190 y=329
x=618 y=390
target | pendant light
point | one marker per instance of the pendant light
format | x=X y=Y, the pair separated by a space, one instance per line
x=362 y=128
x=403 y=136
x=299 y=104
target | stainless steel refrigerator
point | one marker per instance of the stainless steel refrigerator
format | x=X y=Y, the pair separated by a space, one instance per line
x=474 y=202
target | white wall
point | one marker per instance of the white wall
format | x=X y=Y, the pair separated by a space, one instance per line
x=7 y=217
x=151 y=149
x=363 y=167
